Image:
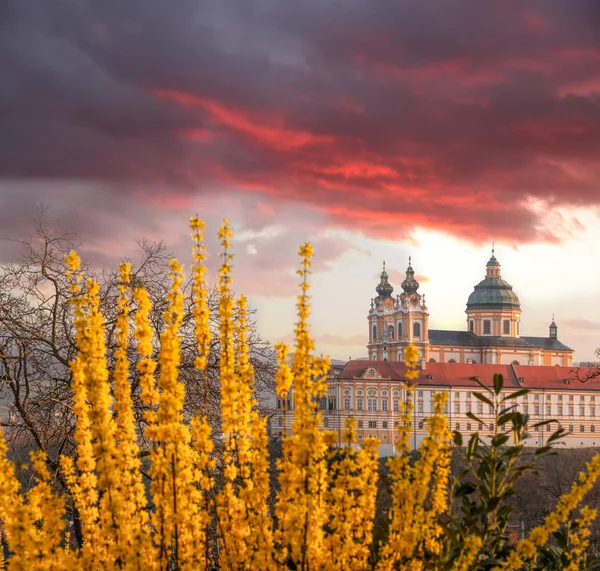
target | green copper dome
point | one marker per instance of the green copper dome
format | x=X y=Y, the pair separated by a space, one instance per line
x=493 y=293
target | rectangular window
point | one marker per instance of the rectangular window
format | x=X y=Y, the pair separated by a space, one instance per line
x=487 y=327
x=346 y=404
x=360 y=424
x=506 y=327
x=457 y=408
x=325 y=422
x=592 y=411
x=420 y=425
x=536 y=410
x=525 y=409
x=581 y=398
x=384 y=424
x=559 y=398
x=396 y=406
x=570 y=397
x=560 y=410
x=571 y=411
x=372 y=405
x=359 y=404
x=372 y=424
x=548 y=410
x=471 y=325
x=537 y=398
x=592 y=428
x=479 y=408
x=480 y=426
x=280 y=421
x=420 y=394
x=468 y=395
x=420 y=407
x=468 y=426
x=581 y=411
x=593 y=399
x=457 y=426
x=468 y=408
x=548 y=397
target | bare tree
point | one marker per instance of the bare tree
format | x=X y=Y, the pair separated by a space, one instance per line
x=37 y=342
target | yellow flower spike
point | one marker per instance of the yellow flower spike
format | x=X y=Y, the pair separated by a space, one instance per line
x=301 y=503
x=201 y=311
x=72 y=261
x=135 y=547
x=246 y=535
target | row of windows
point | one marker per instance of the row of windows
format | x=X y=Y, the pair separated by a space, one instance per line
x=390 y=331
x=526 y=409
x=458 y=394
x=371 y=404
x=487 y=326
x=372 y=393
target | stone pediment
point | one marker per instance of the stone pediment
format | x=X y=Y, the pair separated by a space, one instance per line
x=372 y=373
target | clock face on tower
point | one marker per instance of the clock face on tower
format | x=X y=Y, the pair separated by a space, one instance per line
x=388 y=303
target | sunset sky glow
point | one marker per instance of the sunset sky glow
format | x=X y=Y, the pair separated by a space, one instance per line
x=376 y=129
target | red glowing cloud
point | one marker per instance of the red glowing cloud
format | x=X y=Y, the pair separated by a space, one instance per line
x=379 y=117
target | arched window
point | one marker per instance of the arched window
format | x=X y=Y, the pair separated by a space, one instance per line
x=416 y=330
x=400 y=330
x=325 y=422
x=359 y=404
x=451 y=361
x=384 y=403
x=374 y=332
x=396 y=406
x=432 y=360
x=390 y=332
x=515 y=362
x=346 y=404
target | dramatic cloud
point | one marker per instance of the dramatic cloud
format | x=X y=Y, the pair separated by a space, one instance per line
x=473 y=118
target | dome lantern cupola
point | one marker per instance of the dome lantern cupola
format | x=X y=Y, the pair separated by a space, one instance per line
x=410 y=285
x=384 y=289
x=493 y=292
x=493 y=267
x=553 y=329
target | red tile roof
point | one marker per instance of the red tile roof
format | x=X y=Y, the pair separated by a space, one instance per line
x=460 y=374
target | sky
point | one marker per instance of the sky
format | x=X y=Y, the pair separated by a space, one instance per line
x=376 y=129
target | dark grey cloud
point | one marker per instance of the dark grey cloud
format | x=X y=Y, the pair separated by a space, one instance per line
x=448 y=114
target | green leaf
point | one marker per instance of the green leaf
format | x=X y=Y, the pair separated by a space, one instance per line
x=498 y=383
x=464 y=489
x=472 y=446
x=516 y=394
x=544 y=422
x=472 y=416
x=476 y=379
x=457 y=437
x=506 y=418
x=483 y=398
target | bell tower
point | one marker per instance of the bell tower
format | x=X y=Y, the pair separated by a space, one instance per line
x=396 y=322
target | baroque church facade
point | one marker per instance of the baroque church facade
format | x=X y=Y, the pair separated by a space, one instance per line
x=492 y=334
x=373 y=390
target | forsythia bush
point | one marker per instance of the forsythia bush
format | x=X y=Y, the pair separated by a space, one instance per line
x=209 y=503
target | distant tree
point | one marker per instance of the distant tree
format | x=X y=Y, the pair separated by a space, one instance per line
x=37 y=342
